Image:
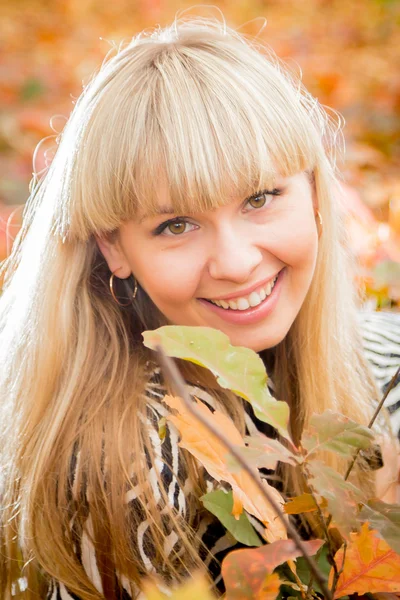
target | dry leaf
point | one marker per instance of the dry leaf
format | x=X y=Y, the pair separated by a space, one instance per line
x=212 y=454
x=302 y=504
x=370 y=565
x=247 y=573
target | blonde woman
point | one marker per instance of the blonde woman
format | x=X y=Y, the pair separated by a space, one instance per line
x=193 y=185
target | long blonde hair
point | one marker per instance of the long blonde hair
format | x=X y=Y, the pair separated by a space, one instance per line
x=216 y=111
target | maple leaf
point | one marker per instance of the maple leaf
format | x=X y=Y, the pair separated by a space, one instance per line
x=370 y=565
x=212 y=454
x=248 y=573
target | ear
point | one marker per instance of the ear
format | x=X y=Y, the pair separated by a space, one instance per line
x=114 y=255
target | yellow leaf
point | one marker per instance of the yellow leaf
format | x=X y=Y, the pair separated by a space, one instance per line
x=212 y=454
x=301 y=504
x=197 y=588
x=370 y=565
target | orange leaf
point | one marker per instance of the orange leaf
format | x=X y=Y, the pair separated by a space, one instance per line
x=269 y=589
x=301 y=504
x=247 y=573
x=212 y=454
x=370 y=565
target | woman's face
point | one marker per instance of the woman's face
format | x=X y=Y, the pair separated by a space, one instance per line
x=228 y=255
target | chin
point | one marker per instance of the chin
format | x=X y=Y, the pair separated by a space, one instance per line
x=260 y=344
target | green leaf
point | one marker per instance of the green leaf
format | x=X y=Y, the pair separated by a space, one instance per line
x=236 y=368
x=303 y=570
x=386 y=519
x=335 y=432
x=220 y=504
x=342 y=496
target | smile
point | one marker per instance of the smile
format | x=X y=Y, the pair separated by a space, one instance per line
x=250 y=300
x=251 y=308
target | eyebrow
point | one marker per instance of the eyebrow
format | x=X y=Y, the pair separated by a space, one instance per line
x=168 y=210
x=163 y=210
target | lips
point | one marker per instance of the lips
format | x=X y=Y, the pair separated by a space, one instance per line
x=251 y=300
x=248 y=298
x=252 y=314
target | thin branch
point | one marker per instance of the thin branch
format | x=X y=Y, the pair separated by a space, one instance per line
x=325 y=528
x=373 y=419
x=173 y=375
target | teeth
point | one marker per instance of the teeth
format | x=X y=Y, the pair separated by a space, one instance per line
x=253 y=299
x=242 y=304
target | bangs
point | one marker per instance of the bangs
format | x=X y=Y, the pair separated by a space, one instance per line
x=212 y=137
x=208 y=122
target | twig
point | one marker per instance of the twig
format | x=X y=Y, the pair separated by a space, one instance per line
x=175 y=377
x=326 y=532
x=373 y=419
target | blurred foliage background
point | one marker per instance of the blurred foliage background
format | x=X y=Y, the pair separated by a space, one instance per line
x=347 y=50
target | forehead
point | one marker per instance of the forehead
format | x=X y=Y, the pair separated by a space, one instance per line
x=163 y=201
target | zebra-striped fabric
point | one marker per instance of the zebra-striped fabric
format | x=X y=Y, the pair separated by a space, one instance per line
x=381 y=340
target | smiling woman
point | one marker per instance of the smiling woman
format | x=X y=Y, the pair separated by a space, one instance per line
x=226 y=257
x=193 y=185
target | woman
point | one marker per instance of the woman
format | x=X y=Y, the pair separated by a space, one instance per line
x=193 y=185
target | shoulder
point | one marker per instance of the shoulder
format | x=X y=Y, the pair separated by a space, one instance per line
x=381 y=342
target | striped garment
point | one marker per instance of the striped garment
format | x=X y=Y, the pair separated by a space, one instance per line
x=381 y=339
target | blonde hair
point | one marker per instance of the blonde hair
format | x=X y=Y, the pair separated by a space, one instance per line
x=215 y=111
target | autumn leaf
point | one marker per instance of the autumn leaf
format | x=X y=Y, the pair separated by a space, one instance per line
x=265 y=452
x=335 y=432
x=370 y=565
x=197 y=588
x=302 y=504
x=245 y=572
x=386 y=519
x=212 y=454
x=235 y=367
x=342 y=496
x=220 y=504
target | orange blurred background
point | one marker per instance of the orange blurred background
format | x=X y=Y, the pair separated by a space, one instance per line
x=348 y=53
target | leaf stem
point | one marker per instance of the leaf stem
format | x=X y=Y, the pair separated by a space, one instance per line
x=173 y=374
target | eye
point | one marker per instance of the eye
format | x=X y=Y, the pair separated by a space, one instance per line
x=174 y=227
x=260 y=199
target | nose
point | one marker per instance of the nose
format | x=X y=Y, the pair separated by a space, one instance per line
x=232 y=256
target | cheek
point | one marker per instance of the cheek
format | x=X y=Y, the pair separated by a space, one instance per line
x=295 y=242
x=170 y=277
